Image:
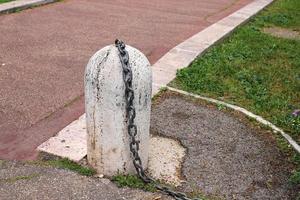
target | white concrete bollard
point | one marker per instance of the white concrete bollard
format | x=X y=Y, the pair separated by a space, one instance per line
x=107 y=136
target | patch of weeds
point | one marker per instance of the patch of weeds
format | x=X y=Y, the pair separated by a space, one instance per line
x=17 y=178
x=132 y=181
x=295 y=178
x=72 y=101
x=160 y=92
x=2 y=162
x=64 y=163
x=283 y=145
x=296 y=159
x=17 y=10
x=73 y=166
x=221 y=106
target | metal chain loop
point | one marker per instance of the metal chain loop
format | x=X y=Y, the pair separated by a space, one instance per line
x=134 y=144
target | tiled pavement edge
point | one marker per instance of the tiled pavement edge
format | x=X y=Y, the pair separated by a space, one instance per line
x=164 y=70
x=22 y=4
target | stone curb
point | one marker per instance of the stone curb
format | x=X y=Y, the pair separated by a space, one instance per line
x=258 y=118
x=22 y=4
x=164 y=71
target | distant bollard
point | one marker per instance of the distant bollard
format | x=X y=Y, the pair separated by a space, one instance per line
x=107 y=136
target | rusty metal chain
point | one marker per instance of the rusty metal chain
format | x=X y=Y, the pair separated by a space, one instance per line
x=134 y=144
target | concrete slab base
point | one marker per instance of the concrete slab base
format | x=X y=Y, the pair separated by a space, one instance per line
x=163 y=165
x=165 y=158
x=68 y=143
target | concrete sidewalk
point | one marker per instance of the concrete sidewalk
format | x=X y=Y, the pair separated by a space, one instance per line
x=44 y=51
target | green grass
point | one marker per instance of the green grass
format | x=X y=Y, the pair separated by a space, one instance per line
x=4 y=1
x=253 y=69
x=17 y=178
x=295 y=177
x=132 y=181
x=64 y=163
x=73 y=166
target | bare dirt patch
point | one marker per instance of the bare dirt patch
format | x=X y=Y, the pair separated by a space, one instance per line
x=282 y=32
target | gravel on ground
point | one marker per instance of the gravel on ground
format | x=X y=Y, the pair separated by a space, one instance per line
x=226 y=158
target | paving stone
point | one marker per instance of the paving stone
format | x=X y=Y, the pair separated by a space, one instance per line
x=162 y=78
x=234 y=20
x=254 y=7
x=193 y=45
x=213 y=33
x=180 y=58
x=70 y=142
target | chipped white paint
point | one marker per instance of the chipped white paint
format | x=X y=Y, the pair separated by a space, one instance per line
x=258 y=118
x=165 y=158
x=70 y=142
x=107 y=138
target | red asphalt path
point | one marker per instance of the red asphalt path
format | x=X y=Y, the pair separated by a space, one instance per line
x=44 y=51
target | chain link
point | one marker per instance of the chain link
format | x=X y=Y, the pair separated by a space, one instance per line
x=134 y=144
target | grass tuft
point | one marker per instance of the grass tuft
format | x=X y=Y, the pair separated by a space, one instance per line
x=132 y=181
x=17 y=178
x=73 y=166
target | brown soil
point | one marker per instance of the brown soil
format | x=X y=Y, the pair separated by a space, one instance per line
x=282 y=32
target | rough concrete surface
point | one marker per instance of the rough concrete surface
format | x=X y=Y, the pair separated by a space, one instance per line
x=165 y=159
x=31 y=182
x=70 y=142
x=45 y=50
x=225 y=158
